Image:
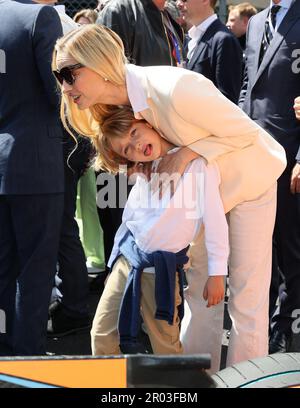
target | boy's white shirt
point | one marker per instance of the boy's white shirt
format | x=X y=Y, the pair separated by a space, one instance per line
x=171 y=224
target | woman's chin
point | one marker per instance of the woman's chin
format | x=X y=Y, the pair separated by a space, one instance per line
x=82 y=105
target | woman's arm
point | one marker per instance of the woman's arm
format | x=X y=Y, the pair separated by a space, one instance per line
x=177 y=162
x=171 y=166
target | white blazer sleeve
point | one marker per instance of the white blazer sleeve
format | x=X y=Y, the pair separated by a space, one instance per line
x=198 y=102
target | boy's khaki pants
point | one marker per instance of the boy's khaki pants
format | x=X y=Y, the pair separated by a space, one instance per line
x=104 y=334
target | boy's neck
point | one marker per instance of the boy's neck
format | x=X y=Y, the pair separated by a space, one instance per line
x=166 y=146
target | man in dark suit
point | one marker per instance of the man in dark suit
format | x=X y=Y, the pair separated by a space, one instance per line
x=31 y=174
x=270 y=87
x=213 y=50
x=149 y=34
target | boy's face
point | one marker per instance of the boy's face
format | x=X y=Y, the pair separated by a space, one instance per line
x=140 y=144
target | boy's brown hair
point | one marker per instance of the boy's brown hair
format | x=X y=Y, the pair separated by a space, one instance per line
x=116 y=124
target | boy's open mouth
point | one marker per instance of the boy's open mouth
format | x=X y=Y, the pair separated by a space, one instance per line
x=148 y=150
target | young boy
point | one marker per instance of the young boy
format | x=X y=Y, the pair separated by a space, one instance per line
x=155 y=232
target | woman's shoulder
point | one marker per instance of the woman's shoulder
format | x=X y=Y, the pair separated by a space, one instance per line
x=173 y=80
x=168 y=73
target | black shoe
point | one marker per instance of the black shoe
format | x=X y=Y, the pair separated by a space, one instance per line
x=61 y=324
x=278 y=342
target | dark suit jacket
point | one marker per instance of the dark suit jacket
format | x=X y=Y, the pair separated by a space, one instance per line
x=31 y=160
x=139 y=25
x=219 y=57
x=269 y=90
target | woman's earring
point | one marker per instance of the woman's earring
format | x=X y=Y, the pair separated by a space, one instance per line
x=105 y=79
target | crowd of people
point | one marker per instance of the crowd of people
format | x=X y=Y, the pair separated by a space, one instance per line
x=169 y=105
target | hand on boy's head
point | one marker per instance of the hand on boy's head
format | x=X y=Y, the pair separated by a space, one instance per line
x=214 y=290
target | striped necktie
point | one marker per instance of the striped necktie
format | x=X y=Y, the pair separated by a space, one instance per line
x=268 y=32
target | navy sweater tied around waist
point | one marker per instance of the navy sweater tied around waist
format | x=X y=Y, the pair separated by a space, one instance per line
x=167 y=265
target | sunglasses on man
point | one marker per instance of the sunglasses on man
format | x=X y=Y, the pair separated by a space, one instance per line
x=66 y=74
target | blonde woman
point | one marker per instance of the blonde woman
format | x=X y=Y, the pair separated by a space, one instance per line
x=190 y=111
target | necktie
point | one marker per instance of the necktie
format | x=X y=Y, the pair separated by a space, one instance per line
x=268 y=32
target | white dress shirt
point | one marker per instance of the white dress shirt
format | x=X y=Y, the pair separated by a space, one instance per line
x=196 y=32
x=171 y=224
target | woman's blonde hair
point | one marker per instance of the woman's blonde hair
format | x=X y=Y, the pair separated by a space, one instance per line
x=115 y=124
x=100 y=49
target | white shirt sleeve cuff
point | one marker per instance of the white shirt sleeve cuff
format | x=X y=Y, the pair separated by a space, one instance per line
x=217 y=267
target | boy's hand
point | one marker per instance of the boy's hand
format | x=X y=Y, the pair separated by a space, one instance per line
x=214 y=290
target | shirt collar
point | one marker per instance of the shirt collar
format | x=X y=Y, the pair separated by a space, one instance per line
x=60 y=8
x=196 y=31
x=286 y=4
x=136 y=94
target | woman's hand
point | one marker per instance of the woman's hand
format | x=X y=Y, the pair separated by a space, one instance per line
x=214 y=290
x=139 y=168
x=171 y=168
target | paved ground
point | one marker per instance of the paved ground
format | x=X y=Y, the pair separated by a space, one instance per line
x=79 y=343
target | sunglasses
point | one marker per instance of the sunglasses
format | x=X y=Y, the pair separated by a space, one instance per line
x=66 y=74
